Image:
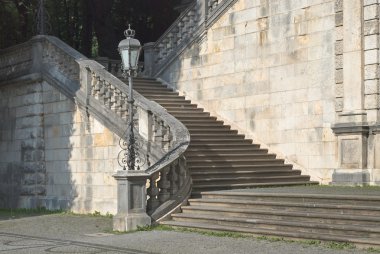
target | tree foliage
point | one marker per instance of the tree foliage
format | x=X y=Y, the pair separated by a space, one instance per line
x=94 y=27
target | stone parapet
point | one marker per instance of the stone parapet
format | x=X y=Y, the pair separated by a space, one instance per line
x=70 y=117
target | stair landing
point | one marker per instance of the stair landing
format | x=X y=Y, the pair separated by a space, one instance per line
x=343 y=214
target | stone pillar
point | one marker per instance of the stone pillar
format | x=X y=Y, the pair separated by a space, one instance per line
x=104 y=61
x=353 y=69
x=149 y=59
x=131 y=201
x=351 y=128
x=37 y=53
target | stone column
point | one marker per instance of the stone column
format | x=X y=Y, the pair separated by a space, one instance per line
x=353 y=68
x=351 y=128
x=131 y=201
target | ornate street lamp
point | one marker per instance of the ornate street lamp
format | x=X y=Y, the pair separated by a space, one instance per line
x=129 y=50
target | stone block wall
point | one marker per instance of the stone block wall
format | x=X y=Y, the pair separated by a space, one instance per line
x=268 y=69
x=54 y=154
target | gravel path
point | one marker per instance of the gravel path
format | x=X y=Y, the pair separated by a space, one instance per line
x=58 y=233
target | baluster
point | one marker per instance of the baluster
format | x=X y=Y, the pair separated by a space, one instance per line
x=158 y=54
x=191 y=21
x=210 y=6
x=180 y=31
x=185 y=31
x=102 y=90
x=173 y=177
x=157 y=135
x=165 y=47
x=153 y=192
x=117 y=102
x=182 y=170
x=124 y=106
x=176 y=36
x=93 y=84
x=107 y=95
x=164 y=185
x=170 y=43
x=113 y=98
x=96 y=86
x=166 y=137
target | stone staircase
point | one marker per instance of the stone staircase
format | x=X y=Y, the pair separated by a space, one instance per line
x=221 y=162
x=326 y=217
x=218 y=157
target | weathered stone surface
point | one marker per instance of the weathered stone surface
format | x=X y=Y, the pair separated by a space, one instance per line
x=371 y=12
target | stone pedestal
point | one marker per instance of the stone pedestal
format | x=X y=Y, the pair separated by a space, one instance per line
x=149 y=59
x=352 y=154
x=131 y=201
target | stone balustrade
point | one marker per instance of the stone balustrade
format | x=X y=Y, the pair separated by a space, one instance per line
x=99 y=93
x=187 y=28
x=15 y=61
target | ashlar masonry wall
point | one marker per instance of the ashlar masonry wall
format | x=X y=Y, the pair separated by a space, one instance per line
x=267 y=68
x=54 y=154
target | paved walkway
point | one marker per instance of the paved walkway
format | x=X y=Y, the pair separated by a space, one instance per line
x=58 y=233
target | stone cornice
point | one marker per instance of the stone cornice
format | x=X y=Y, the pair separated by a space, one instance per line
x=355 y=128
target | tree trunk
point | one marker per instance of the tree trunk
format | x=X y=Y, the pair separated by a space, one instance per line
x=104 y=29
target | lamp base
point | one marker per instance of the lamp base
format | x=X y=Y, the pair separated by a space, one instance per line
x=129 y=222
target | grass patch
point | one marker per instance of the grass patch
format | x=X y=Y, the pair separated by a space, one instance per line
x=24 y=212
x=339 y=245
x=373 y=250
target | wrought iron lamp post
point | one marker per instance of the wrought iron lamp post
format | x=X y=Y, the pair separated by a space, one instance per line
x=129 y=50
x=131 y=183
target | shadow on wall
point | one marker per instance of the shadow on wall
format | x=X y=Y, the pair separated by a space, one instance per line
x=35 y=147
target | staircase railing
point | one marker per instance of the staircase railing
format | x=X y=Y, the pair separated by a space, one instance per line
x=102 y=95
x=189 y=27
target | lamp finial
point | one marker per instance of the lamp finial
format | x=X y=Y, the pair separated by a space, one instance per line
x=129 y=33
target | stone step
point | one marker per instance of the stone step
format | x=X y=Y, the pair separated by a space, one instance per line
x=231 y=145
x=294 y=197
x=236 y=179
x=253 y=214
x=177 y=105
x=199 y=188
x=243 y=168
x=185 y=110
x=231 y=156
x=167 y=96
x=145 y=82
x=168 y=93
x=200 y=137
x=195 y=114
x=199 y=121
x=290 y=206
x=241 y=173
x=199 y=117
x=222 y=151
x=217 y=142
x=220 y=131
x=172 y=100
x=320 y=228
x=191 y=124
x=158 y=92
x=246 y=161
x=362 y=241
x=145 y=79
x=220 y=181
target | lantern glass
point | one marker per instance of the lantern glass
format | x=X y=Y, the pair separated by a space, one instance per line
x=130 y=51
